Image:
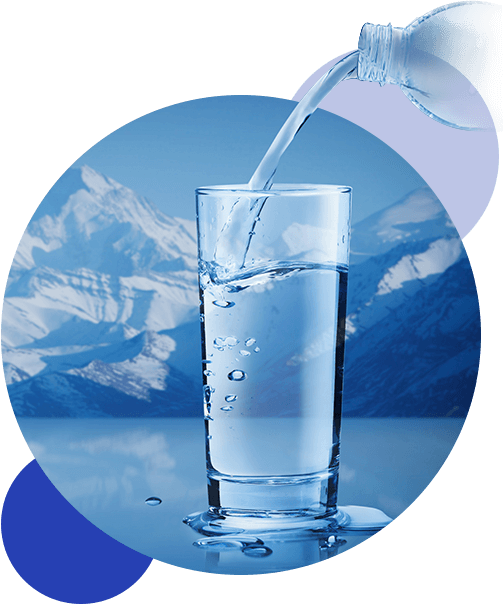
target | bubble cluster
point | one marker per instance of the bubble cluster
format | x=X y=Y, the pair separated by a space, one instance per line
x=223 y=342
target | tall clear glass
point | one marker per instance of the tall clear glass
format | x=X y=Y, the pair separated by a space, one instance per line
x=272 y=333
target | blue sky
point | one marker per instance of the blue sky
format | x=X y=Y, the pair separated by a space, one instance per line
x=166 y=154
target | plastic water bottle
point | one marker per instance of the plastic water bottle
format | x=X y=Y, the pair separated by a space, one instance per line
x=447 y=63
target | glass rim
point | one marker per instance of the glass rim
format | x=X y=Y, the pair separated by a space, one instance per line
x=292 y=189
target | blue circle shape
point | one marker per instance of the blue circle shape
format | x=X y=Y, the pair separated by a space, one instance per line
x=57 y=551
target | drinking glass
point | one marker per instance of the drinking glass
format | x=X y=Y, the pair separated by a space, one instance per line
x=273 y=311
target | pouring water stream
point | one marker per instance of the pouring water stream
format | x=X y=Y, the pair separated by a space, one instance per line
x=235 y=238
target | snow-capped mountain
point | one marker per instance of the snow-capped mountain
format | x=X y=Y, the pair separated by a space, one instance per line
x=419 y=354
x=89 y=220
x=413 y=325
x=98 y=272
x=416 y=217
x=395 y=253
x=97 y=251
x=101 y=312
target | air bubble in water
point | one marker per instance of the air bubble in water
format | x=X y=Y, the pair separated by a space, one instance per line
x=256 y=349
x=250 y=341
x=244 y=353
x=208 y=391
x=207 y=410
x=222 y=342
x=218 y=343
x=230 y=398
x=237 y=375
x=208 y=372
x=223 y=303
x=227 y=408
x=153 y=501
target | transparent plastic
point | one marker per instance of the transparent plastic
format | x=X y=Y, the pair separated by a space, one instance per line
x=448 y=62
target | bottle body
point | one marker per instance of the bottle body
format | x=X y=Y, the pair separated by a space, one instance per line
x=443 y=62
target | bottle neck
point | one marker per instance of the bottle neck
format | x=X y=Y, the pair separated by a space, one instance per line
x=382 y=54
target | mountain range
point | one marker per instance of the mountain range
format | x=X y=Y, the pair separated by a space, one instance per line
x=101 y=312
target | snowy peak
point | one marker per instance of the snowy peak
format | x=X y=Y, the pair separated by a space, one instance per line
x=386 y=281
x=440 y=255
x=88 y=219
x=97 y=252
x=138 y=375
x=417 y=216
x=98 y=183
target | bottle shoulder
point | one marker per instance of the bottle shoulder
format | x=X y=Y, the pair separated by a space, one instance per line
x=456 y=13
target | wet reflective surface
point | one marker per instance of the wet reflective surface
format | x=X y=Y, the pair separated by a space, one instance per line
x=109 y=469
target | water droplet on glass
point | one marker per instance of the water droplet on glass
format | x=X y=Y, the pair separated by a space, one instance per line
x=227 y=408
x=223 y=303
x=153 y=501
x=208 y=391
x=257 y=551
x=208 y=372
x=244 y=353
x=343 y=238
x=250 y=341
x=205 y=362
x=237 y=375
x=201 y=318
x=230 y=398
x=256 y=349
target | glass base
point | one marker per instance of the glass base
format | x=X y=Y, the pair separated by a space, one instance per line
x=349 y=518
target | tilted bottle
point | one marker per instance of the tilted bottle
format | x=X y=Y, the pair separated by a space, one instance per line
x=448 y=63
